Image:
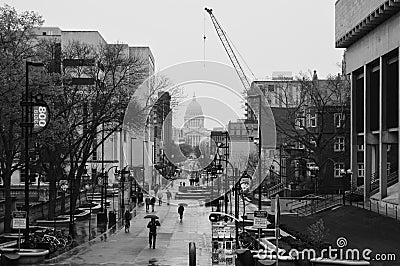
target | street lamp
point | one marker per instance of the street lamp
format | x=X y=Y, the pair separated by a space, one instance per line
x=314 y=170
x=27 y=124
x=259 y=147
x=344 y=174
x=102 y=215
x=238 y=189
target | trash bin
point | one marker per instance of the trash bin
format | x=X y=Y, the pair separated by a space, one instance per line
x=10 y=258
x=245 y=257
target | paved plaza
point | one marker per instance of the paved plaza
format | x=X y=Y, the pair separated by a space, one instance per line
x=133 y=249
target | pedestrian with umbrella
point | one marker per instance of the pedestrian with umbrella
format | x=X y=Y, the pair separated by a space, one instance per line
x=152 y=225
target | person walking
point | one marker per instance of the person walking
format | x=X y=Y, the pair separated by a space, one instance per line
x=160 y=196
x=152 y=225
x=181 y=209
x=127 y=217
x=147 y=201
x=152 y=202
x=169 y=196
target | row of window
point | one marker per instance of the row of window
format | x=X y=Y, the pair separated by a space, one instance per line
x=361 y=169
x=360 y=147
x=310 y=120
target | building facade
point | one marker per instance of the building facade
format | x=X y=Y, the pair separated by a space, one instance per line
x=310 y=134
x=193 y=128
x=369 y=32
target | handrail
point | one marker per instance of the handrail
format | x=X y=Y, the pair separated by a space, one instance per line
x=315 y=206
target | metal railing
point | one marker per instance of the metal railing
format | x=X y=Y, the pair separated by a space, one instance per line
x=380 y=207
x=318 y=205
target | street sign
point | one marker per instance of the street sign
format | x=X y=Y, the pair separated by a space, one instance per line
x=19 y=220
x=260 y=219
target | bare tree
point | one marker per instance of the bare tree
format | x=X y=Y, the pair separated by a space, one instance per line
x=311 y=115
x=17 y=44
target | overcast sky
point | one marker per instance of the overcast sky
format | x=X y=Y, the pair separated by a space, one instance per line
x=280 y=35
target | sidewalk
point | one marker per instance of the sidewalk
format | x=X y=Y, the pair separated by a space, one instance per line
x=172 y=246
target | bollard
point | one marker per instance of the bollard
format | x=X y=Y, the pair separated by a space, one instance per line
x=192 y=254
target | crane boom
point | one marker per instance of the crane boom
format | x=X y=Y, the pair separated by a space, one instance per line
x=222 y=36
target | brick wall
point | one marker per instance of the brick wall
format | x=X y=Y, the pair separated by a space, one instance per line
x=348 y=13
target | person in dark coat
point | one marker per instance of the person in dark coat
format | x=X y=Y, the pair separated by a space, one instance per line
x=152 y=225
x=147 y=201
x=127 y=217
x=152 y=202
x=180 y=211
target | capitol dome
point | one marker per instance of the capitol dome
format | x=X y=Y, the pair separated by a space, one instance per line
x=193 y=109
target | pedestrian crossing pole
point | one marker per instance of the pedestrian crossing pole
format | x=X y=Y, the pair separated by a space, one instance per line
x=277 y=233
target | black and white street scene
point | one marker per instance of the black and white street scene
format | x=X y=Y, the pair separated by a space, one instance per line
x=200 y=133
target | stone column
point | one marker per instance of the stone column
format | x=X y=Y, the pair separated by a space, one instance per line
x=353 y=133
x=367 y=133
x=382 y=128
x=398 y=127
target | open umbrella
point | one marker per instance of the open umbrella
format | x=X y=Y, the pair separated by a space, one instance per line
x=149 y=216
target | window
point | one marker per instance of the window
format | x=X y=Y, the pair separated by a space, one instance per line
x=309 y=167
x=339 y=144
x=338 y=120
x=300 y=123
x=311 y=120
x=338 y=167
x=313 y=143
x=360 y=170
x=300 y=146
x=360 y=147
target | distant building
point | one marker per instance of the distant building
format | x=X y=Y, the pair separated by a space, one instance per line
x=193 y=128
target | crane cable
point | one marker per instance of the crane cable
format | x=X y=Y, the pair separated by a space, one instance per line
x=204 y=39
x=240 y=55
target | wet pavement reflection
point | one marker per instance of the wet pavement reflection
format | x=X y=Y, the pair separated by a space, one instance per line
x=88 y=229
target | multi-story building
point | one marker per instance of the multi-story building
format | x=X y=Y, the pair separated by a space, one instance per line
x=121 y=148
x=369 y=31
x=309 y=133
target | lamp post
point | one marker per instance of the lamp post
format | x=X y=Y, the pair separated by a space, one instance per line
x=259 y=146
x=314 y=170
x=27 y=124
x=344 y=173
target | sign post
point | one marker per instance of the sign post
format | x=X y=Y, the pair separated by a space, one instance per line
x=260 y=222
x=19 y=222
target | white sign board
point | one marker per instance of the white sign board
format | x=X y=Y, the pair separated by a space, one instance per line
x=19 y=220
x=260 y=219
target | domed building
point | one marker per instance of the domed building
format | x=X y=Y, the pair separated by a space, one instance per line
x=193 y=128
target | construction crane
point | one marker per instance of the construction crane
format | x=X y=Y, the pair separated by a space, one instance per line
x=228 y=48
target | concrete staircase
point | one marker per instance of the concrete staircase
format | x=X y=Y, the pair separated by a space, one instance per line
x=193 y=193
